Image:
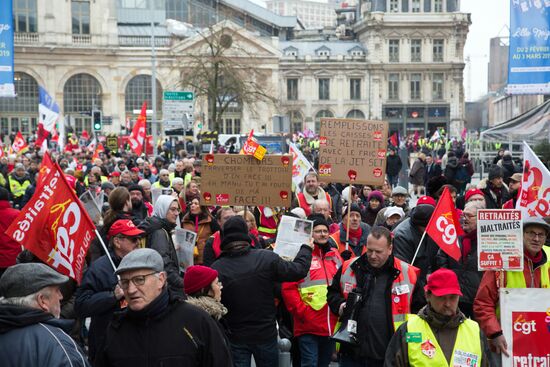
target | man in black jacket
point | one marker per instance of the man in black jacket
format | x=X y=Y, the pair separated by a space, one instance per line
x=393 y=166
x=31 y=333
x=159 y=328
x=249 y=278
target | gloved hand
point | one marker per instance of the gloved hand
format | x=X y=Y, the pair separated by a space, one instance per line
x=346 y=254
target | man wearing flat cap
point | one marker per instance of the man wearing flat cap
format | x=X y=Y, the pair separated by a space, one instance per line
x=440 y=335
x=31 y=333
x=536 y=274
x=159 y=328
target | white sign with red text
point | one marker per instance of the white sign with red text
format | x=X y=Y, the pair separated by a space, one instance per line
x=499 y=239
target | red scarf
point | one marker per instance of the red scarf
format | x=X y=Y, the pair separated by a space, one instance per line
x=354 y=235
x=467 y=243
x=535 y=259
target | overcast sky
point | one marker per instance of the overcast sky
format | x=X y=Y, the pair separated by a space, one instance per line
x=490 y=18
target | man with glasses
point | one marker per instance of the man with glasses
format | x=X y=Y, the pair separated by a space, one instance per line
x=99 y=296
x=159 y=328
x=536 y=274
x=306 y=300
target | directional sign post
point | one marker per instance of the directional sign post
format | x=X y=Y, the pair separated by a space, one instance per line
x=177 y=106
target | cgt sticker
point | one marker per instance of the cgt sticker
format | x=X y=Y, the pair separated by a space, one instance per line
x=377 y=136
x=325 y=170
x=207 y=196
x=352 y=174
x=283 y=194
x=222 y=199
x=285 y=161
x=209 y=158
x=322 y=141
x=381 y=153
x=377 y=172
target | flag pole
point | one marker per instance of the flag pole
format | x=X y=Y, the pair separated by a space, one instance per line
x=349 y=211
x=418 y=247
x=105 y=248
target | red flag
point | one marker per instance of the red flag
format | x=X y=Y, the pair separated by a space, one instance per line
x=97 y=150
x=19 y=145
x=45 y=168
x=394 y=140
x=137 y=137
x=55 y=227
x=444 y=226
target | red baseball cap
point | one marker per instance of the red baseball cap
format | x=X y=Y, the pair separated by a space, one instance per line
x=135 y=169
x=124 y=227
x=426 y=200
x=443 y=282
x=115 y=174
x=471 y=193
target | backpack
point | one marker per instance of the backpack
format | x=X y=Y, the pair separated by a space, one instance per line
x=462 y=174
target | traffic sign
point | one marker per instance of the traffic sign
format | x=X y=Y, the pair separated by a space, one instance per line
x=177 y=106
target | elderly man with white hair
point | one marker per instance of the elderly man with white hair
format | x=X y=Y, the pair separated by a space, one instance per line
x=163 y=180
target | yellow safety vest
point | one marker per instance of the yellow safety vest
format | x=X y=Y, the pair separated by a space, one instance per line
x=18 y=189
x=515 y=279
x=425 y=351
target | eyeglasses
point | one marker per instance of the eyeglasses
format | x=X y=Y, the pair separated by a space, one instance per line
x=175 y=210
x=469 y=215
x=320 y=231
x=535 y=235
x=138 y=280
x=132 y=239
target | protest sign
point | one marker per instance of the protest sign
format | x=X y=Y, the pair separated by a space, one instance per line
x=300 y=165
x=184 y=241
x=526 y=326
x=499 y=239
x=229 y=179
x=353 y=151
x=534 y=197
x=291 y=235
x=158 y=191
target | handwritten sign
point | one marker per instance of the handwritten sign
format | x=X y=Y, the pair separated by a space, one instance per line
x=229 y=179
x=353 y=151
x=499 y=239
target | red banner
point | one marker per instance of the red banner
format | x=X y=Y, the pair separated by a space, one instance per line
x=19 y=145
x=45 y=168
x=444 y=226
x=97 y=150
x=137 y=138
x=54 y=226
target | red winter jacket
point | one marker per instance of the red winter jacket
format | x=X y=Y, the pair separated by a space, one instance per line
x=9 y=249
x=301 y=297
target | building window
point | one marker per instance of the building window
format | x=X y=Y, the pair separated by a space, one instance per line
x=24 y=16
x=81 y=94
x=296 y=121
x=394 y=50
x=438 y=50
x=292 y=89
x=318 y=116
x=355 y=114
x=394 y=6
x=416 y=50
x=138 y=90
x=324 y=89
x=415 y=6
x=80 y=10
x=416 y=83
x=393 y=86
x=438 y=6
x=134 y=4
x=355 y=89
x=177 y=9
x=27 y=95
x=437 y=86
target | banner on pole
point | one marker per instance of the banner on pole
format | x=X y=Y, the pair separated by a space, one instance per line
x=529 y=53
x=526 y=326
x=499 y=240
x=353 y=151
x=300 y=165
x=230 y=179
x=7 y=87
x=534 y=196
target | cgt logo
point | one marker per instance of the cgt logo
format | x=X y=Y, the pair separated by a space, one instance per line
x=325 y=170
x=524 y=326
x=447 y=228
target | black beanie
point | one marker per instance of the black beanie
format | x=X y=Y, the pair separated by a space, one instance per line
x=354 y=208
x=136 y=187
x=318 y=220
x=234 y=229
x=421 y=214
x=495 y=171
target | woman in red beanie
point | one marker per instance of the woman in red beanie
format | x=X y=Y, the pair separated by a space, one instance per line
x=204 y=290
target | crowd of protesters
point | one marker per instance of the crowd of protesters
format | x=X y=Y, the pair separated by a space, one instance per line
x=367 y=263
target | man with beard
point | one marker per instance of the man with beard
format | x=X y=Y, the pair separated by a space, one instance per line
x=311 y=192
x=140 y=208
x=493 y=189
x=513 y=186
x=163 y=180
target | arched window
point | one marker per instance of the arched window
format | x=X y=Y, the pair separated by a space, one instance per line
x=81 y=95
x=318 y=116
x=296 y=121
x=20 y=113
x=355 y=114
x=139 y=90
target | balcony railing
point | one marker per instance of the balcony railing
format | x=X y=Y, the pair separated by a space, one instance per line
x=26 y=38
x=143 y=41
x=82 y=39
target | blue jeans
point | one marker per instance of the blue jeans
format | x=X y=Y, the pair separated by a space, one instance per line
x=315 y=350
x=265 y=355
x=347 y=361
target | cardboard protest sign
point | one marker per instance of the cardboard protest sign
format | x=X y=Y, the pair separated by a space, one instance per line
x=499 y=239
x=229 y=179
x=353 y=151
x=526 y=326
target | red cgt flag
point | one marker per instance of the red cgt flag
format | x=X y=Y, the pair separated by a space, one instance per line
x=444 y=226
x=137 y=138
x=45 y=168
x=54 y=226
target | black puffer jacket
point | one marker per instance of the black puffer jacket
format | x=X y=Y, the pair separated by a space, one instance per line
x=31 y=337
x=249 y=279
x=95 y=298
x=159 y=238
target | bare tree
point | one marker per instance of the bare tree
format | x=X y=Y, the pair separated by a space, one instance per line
x=224 y=74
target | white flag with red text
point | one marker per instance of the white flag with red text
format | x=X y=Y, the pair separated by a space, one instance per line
x=534 y=195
